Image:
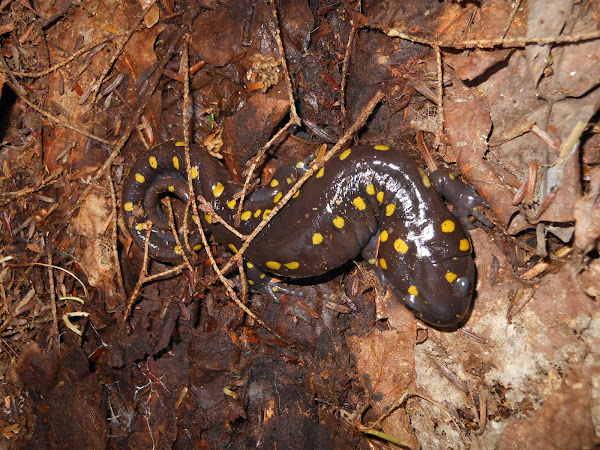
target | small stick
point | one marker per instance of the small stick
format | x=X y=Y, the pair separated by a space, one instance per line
x=115 y=217
x=518 y=42
x=53 y=302
x=142 y=279
x=345 y=66
x=513 y=13
x=66 y=61
x=440 y=95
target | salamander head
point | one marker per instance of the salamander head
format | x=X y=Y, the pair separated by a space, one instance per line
x=440 y=293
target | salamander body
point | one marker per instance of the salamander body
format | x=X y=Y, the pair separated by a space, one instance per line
x=368 y=200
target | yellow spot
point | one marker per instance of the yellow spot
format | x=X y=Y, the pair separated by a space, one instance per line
x=389 y=209
x=448 y=226
x=359 y=203
x=233 y=248
x=177 y=249
x=128 y=206
x=382 y=263
x=452 y=177
x=371 y=189
x=274 y=183
x=464 y=245
x=262 y=276
x=179 y=144
x=267 y=212
x=400 y=246
x=381 y=147
x=246 y=215
x=300 y=165
x=208 y=217
x=413 y=290
x=274 y=265
x=218 y=189
x=195 y=219
x=289 y=180
x=451 y=277
x=257 y=213
x=372 y=261
x=278 y=197
x=346 y=153
x=296 y=194
x=425 y=178
x=153 y=162
x=292 y=265
x=380 y=196
x=320 y=172
x=383 y=236
x=249 y=265
x=141 y=226
x=176 y=162
x=197 y=247
x=317 y=238
x=171 y=188
x=338 y=222
x=231 y=203
x=139 y=178
x=194 y=173
x=251 y=283
x=275 y=289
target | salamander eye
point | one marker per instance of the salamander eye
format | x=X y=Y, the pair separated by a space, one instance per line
x=462 y=286
x=409 y=301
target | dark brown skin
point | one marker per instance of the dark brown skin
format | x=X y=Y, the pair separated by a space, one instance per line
x=369 y=201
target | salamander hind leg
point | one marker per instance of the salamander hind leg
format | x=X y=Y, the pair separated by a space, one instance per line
x=262 y=282
x=369 y=254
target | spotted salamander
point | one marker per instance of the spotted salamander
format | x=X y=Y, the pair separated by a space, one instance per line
x=368 y=200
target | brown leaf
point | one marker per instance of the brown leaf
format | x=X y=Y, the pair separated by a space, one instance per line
x=386 y=369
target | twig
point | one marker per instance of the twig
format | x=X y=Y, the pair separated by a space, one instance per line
x=171 y=217
x=53 y=301
x=293 y=114
x=345 y=66
x=61 y=11
x=517 y=42
x=15 y=84
x=65 y=124
x=543 y=265
x=142 y=279
x=511 y=18
x=66 y=61
x=114 y=237
x=440 y=95
x=33 y=264
x=173 y=270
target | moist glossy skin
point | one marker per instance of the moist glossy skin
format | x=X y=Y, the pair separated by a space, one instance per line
x=366 y=200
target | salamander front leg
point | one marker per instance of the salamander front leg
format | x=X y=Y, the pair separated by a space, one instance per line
x=465 y=200
x=369 y=254
x=262 y=282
